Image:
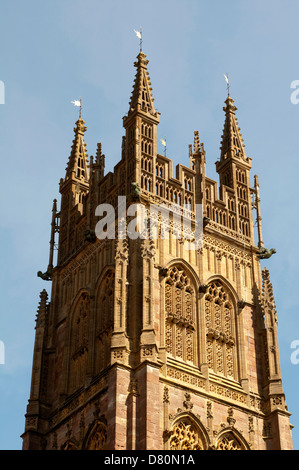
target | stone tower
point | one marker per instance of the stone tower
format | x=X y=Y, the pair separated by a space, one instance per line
x=143 y=342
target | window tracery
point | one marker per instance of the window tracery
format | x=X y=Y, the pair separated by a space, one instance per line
x=228 y=442
x=185 y=436
x=98 y=437
x=104 y=321
x=220 y=328
x=79 y=342
x=180 y=315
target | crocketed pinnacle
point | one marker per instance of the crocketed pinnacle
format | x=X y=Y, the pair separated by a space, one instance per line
x=100 y=161
x=198 y=146
x=232 y=144
x=42 y=309
x=141 y=97
x=77 y=166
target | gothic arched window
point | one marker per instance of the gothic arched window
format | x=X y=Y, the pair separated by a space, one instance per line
x=185 y=436
x=180 y=314
x=220 y=329
x=229 y=442
x=104 y=321
x=79 y=342
x=98 y=437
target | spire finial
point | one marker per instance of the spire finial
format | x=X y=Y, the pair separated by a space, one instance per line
x=232 y=144
x=163 y=141
x=78 y=103
x=227 y=81
x=139 y=35
x=258 y=211
x=142 y=97
x=77 y=165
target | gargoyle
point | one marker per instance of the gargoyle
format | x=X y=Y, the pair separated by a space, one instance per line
x=135 y=191
x=163 y=272
x=45 y=276
x=90 y=236
x=265 y=253
x=203 y=288
x=206 y=221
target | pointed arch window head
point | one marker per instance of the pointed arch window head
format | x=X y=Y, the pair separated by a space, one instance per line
x=185 y=436
x=229 y=442
x=98 y=437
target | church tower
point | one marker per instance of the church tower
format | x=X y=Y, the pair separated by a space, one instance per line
x=152 y=342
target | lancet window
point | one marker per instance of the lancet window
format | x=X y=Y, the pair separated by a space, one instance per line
x=104 y=321
x=80 y=166
x=221 y=330
x=79 y=342
x=98 y=437
x=180 y=313
x=146 y=164
x=146 y=183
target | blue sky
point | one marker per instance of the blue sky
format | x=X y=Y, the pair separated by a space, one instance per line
x=52 y=52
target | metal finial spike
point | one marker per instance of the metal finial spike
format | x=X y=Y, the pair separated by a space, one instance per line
x=78 y=103
x=139 y=35
x=163 y=141
x=227 y=81
x=80 y=108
